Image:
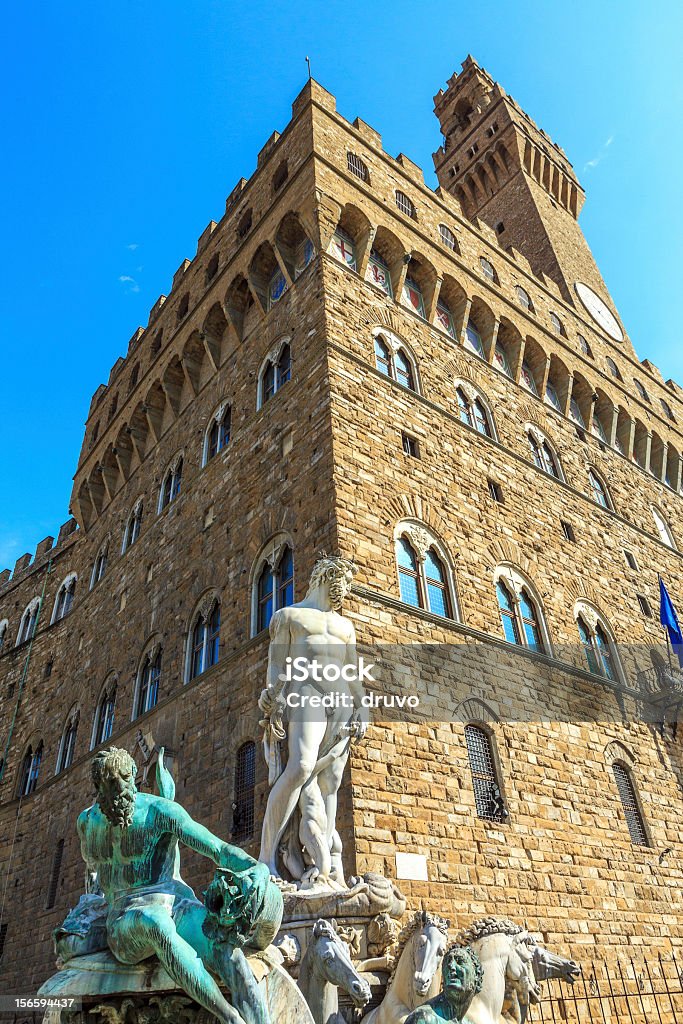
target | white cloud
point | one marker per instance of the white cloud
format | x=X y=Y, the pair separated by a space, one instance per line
x=130 y=281
x=133 y=246
x=600 y=155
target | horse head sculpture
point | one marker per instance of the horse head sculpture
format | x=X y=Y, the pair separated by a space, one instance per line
x=416 y=974
x=506 y=951
x=326 y=967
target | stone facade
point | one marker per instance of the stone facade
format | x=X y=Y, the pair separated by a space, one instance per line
x=321 y=465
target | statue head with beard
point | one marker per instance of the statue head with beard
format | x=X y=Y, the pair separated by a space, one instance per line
x=334 y=573
x=113 y=773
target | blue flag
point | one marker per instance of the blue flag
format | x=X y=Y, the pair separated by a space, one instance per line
x=669 y=619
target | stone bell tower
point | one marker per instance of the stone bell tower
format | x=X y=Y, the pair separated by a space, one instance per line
x=506 y=171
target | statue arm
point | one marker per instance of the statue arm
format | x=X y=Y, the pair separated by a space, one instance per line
x=199 y=838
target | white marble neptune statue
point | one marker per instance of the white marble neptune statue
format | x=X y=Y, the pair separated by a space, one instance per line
x=312 y=655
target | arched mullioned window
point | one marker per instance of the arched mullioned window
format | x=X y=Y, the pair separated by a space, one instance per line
x=217 y=436
x=488 y=797
x=171 y=484
x=556 y=323
x=67 y=744
x=99 y=565
x=424 y=575
x=65 y=598
x=273 y=584
x=103 y=725
x=472 y=409
x=149 y=676
x=393 y=360
x=612 y=367
x=663 y=529
x=599 y=489
x=598 y=642
x=29 y=621
x=542 y=452
x=30 y=769
x=275 y=372
x=243 y=798
x=132 y=530
x=487 y=269
x=623 y=777
x=204 y=641
x=520 y=610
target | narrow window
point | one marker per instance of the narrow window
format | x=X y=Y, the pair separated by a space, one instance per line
x=487 y=268
x=99 y=567
x=54 y=874
x=640 y=388
x=568 y=530
x=448 y=238
x=219 y=433
x=437 y=587
x=243 y=802
x=403 y=371
x=410 y=446
x=495 y=491
x=280 y=176
x=244 y=225
x=357 y=167
x=556 y=323
x=275 y=588
x=524 y=298
x=629 y=803
x=68 y=745
x=405 y=205
x=668 y=411
x=284 y=367
x=105 y=717
x=30 y=770
x=552 y=397
x=211 y=268
x=487 y=795
x=631 y=560
x=599 y=490
x=506 y=604
x=408 y=574
x=265 y=597
x=3 y=938
x=584 y=346
x=529 y=615
x=543 y=456
x=613 y=368
x=183 y=307
x=645 y=606
x=148 y=688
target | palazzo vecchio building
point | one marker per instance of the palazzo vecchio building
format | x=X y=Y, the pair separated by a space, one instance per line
x=438 y=385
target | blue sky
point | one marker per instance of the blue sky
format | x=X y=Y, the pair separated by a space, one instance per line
x=124 y=127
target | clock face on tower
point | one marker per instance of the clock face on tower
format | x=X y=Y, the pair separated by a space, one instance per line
x=599 y=311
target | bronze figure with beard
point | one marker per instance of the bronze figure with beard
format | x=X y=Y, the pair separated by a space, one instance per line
x=463 y=977
x=131 y=840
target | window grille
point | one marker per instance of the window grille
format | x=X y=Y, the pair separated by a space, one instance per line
x=405 y=205
x=495 y=491
x=448 y=238
x=54 y=875
x=245 y=781
x=631 y=560
x=645 y=606
x=487 y=268
x=629 y=802
x=487 y=796
x=357 y=167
